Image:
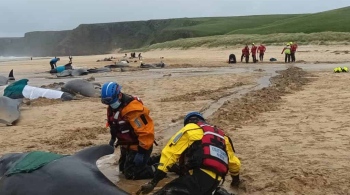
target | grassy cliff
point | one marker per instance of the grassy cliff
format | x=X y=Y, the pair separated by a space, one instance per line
x=89 y=39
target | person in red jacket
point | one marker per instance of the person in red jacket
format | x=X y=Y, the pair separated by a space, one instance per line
x=261 y=50
x=293 y=50
x=245 y=53
x=254 y=49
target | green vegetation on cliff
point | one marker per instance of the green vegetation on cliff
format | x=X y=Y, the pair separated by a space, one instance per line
x=335 y=20
x=89 y=39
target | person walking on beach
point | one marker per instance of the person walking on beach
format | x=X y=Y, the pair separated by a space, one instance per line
x=70 y=59
x=254 y=49
x=140 y=57
x=245 y=53
x=53 y=63
x=261 y=50
x=287 y=52
x=133 y=129
x=203 y=154
x=293 y=50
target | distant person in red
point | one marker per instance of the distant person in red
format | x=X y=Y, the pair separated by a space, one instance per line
x=245 y=53
x=261 y=50
x=293 y=50
x=254 y=49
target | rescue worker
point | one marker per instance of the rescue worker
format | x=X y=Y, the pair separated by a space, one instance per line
x=53 y=63
x=206 y=154
x=293 y=50
x=286 y=50
x=261 y=50
x=245 y=53
x=254 y=49
x=130 y=123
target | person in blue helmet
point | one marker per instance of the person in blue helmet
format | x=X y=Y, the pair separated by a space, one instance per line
x=203 y=153
x=53 y=63
x=133 y=129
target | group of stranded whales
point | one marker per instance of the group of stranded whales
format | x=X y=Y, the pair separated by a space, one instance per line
x=69 y=175
x=68 y=71
x=14 y=93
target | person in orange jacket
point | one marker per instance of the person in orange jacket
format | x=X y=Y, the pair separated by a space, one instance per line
x=254 y=49
x=130 y=123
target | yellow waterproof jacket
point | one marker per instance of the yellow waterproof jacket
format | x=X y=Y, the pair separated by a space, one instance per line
x=183 y=140
x=138 y=115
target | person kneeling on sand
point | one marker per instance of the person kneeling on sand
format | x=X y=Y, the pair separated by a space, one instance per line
x=206 y=154
x=130 y=123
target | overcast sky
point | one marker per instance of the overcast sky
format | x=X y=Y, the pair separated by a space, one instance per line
x=20 y=16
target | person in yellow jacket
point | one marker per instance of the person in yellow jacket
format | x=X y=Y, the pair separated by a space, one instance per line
x=206 y=154
x=287 y=51
x=130 y=124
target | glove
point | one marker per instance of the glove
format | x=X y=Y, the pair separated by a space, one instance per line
x=111 y=142
x=235 y=181
x=146 y=188
x=138 y=160
x=222 y=191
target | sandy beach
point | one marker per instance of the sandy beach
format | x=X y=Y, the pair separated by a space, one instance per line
x=292 y=137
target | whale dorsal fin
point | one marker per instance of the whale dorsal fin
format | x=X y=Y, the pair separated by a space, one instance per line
x=94 y=153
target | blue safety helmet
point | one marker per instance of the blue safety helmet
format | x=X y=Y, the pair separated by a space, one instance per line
x=110 y=93
x=193 y=114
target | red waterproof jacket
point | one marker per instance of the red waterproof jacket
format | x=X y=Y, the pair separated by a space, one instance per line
x=245 y=51
x=262 y=49
x=254 y=49
x=294 y=48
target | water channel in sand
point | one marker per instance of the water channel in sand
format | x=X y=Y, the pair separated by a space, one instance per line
x=110 y=168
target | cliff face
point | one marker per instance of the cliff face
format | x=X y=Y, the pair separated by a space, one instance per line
x=88 y=39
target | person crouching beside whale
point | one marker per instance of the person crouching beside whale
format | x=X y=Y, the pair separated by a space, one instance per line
x=53 y=63
x=205 y=152
x=133 y=128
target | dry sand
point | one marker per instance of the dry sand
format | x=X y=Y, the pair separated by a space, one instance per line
x=291 y=141
x=303 y=146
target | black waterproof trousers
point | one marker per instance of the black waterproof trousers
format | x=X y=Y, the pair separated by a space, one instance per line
x=293 y=56
x=130 y=170
x=199 y=183
x=52 y=65
x=287 y=58
x=254 y=58
x=261 y=56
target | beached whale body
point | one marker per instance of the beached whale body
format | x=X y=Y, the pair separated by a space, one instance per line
x=72 y=175
x=9 y=110
x=81 y=87
x=3 y=80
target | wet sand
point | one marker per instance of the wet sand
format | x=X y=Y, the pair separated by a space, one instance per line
x=298 y=144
